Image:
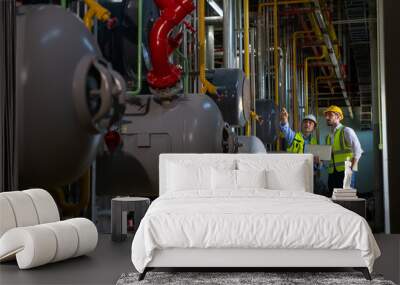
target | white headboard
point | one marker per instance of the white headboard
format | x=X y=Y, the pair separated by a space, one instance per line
x=212 y=158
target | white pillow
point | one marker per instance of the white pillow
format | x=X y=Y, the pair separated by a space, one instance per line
x=251 y=178
x=181 y=177
x=223 y=179
x=282 y=174
x=293 y=179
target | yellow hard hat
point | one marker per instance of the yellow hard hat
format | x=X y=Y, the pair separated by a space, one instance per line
x=336 y=110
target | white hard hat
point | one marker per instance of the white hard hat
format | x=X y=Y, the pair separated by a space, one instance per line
x=311 y=118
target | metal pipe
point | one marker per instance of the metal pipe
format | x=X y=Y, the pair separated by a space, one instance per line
x=197 y=84
x=312 y=91
x=185 y=70
x=207 y=85
x=139 y=51
x=94 y=9
x=322 y=56
x=382 y=114
x=267 y=53
x=229 y=35
x=260 y=58
x=328 y=34
x=294 y=68
x=210 y=47
x=317 y=80
x=276 y=67
x=282 y=69
x=163 y=74
x=246 y=39
x=247 y=54
x=325 y=54
x=186 y=61
x=317 y=31
x=253 y=78
x=301 y=107
x=214 y=20
x=276 y=55
x=239 y=32
x=275 y=4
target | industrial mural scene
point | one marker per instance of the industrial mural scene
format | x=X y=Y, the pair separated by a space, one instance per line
x=104 y=87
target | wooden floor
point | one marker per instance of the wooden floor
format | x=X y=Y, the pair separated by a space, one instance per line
x=110 y=260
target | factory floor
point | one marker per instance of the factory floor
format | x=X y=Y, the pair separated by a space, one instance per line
x=110 y=260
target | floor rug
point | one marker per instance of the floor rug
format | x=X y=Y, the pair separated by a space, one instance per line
x=243 y=278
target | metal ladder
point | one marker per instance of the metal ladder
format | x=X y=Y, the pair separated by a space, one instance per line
x=365 y=109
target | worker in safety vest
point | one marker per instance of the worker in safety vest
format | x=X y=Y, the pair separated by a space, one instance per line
x=295 y=141
x=345 y=144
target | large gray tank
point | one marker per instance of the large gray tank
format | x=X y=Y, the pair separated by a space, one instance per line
x=67 y=96
x=234 y=98
x=190 y=124
x=250 y=144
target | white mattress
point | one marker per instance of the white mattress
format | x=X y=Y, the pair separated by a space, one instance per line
x=252 y=218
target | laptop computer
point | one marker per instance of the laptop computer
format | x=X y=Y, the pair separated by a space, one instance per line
x=323 y=151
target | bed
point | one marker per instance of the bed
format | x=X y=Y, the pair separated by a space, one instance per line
x=245 y=211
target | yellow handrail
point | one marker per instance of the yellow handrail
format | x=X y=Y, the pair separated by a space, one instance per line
x=267 y=4
x=207 y=85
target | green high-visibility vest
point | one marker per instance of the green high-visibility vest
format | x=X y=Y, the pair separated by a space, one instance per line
x=297 y=145
x=340 y=151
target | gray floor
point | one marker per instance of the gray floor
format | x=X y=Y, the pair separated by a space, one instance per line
x=110 y=260
x=103 y=266
x=389 y=262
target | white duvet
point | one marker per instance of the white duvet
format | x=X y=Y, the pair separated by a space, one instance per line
x=252 y=218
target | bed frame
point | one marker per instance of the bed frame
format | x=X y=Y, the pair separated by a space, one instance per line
x=247 y=259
